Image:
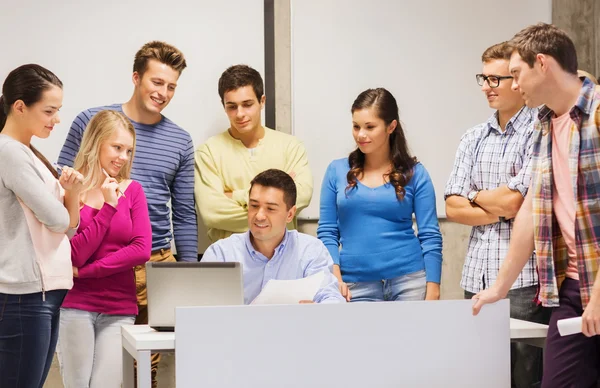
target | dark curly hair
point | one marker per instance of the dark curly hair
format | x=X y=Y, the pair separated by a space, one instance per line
x=403 y=163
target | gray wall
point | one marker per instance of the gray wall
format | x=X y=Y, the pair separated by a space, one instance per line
x=581 y=20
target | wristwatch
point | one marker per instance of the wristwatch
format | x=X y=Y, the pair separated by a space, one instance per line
x=472 y=196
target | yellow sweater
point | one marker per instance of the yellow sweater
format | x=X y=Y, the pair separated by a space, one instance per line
x=224 y=164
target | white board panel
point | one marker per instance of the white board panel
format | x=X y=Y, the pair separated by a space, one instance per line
x=90 y=46
x=425 y=52
x=386 y=344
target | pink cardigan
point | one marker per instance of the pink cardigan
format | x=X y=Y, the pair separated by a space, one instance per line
x=108 y=244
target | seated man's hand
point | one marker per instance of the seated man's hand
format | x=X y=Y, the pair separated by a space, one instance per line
x=306 y=302
x=229 y=194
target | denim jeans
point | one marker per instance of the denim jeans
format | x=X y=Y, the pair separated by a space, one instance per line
x=28 y=334
x=89 y=348
x=406 y=287
x=526 y=360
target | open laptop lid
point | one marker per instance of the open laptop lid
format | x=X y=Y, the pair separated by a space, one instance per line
x=175 y=284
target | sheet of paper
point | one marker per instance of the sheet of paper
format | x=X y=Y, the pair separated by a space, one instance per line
x=290 y=291
x=569 y=326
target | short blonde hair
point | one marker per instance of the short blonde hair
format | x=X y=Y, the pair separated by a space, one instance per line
x=98 y=130
x=583 y=73
x=498 y=51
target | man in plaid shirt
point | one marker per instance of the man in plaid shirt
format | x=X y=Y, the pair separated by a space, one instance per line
x=487 y=186
x=561 y=213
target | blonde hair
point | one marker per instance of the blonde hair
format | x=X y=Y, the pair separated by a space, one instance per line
x=583 y=73
x=98 y=130
x=498 y=51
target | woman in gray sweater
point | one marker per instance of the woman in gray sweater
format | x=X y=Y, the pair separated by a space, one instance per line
x=37 y=210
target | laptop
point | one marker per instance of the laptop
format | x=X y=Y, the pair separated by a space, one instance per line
x=177 y=284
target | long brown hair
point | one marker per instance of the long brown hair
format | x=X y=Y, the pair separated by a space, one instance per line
x=27 y=83
x=386 y=107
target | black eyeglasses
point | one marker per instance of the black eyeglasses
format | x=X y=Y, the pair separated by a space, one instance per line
x=492 y=80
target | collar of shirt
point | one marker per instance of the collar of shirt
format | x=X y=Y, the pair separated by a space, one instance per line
x=514 y=124
x=256 y=255
x=583 y=104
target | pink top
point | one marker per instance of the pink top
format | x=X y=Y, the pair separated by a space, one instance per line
x=108 y=244
x=563 y=198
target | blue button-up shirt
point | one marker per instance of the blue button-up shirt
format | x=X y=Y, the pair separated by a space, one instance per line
x=298 y=256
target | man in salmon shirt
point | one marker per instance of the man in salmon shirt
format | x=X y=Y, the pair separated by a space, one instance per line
x=561 y=211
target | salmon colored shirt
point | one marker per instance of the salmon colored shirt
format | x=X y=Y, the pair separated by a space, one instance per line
x=563 y=197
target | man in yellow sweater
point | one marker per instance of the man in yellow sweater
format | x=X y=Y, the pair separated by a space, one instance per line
x=227 y=162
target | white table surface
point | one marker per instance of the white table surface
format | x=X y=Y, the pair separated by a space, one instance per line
x=140 y=340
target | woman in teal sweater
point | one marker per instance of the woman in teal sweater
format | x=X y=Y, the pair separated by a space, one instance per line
x=367 y=206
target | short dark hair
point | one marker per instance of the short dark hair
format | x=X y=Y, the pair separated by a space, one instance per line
x=238 y=76
x=279 y=180
x=543 y=38
x=498 y=51
x=160 y=51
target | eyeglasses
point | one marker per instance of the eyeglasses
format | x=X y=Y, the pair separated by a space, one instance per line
x=492 y=80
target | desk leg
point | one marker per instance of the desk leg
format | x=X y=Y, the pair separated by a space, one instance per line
x=537 y=342
x=127 y=370
x=143 y=369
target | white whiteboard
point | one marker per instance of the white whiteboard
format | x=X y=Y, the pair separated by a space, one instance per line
x=385 y=345
x=90 y=46
x=425 y=52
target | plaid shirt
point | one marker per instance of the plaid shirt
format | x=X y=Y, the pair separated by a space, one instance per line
x=486 y=159
x=584 y=164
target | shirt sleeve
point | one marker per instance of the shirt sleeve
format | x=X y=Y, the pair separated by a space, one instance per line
x=216 y=209
x=459 y=182
x=320 y=261
x=521 y=181
x=87 y=241
x=138 y=250
x=73 y=141
x=213 y=254
x=297 y=162
x=185 y=223
x=20 y=175
x=428 y=227
x=328 y=231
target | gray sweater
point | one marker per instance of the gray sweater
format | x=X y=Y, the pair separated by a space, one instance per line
x=35 y=253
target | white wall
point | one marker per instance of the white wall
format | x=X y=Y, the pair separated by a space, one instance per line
x=426 y=53
x=91 y=45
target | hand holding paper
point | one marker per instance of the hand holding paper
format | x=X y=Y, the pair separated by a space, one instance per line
x=290 y=291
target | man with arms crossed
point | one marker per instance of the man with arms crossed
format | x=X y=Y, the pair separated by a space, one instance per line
x=227 y=162
x=268 y=250
x=486 y=188
x=163 y=163
x=560 y=215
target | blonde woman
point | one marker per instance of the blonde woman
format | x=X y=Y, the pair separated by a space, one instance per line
x=113 y=237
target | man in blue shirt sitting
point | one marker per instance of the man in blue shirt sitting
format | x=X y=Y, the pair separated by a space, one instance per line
x=268 y=250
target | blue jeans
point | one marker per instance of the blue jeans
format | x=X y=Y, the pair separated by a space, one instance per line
x=526 y=360
x=406 y=287
x=28 y=335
